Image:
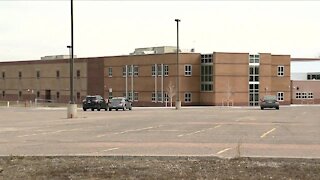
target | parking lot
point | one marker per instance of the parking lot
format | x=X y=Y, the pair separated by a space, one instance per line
x=292 y=131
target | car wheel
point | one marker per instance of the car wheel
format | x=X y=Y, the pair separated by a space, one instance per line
x=84 y=109
x=92 y=109
x=110 y=109
x=277 y=108
x=117 y=109
x=262 y=108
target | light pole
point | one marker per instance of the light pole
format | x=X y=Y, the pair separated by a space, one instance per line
x=178 y=102
x=72 y=107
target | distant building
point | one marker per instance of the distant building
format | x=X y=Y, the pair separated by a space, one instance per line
x=160 y=50
x=305 y=81
x=57 y=57
x=218 y=78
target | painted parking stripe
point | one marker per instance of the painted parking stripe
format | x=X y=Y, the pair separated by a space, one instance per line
x=224 y=150
x=131 y=130
x=265 y=134
x=196 y=132
x=111 y=149
x=48 y=133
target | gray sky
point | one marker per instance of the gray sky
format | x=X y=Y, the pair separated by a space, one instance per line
x=31 y=29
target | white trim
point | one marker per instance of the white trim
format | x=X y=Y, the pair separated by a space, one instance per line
x=187 y=72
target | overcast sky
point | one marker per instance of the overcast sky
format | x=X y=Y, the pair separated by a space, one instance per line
x=31 y=29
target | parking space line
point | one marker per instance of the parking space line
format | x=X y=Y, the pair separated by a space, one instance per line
x=106 y=150
x=111 y=149
x=224 y=150
x=52 y=132
x=265 y=134
x=196 y=132
x=136 y=130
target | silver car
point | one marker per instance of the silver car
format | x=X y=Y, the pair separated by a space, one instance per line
x=120 y=103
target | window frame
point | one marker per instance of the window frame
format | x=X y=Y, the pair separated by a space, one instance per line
x=109 y=71
x=187 y=97
x=78 y=74
x=57 y=74
x=187 y=70
x=280 y=71
x=280 y=96
x=38 y=74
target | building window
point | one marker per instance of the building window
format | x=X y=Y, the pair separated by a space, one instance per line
x=129 y=70
x=3 y=93
x=187 y=97
x=38 y=74
x=310 y=95
x=136 y=96
x=38 y=94
x=20 y=94
x=153 y=97
x=159 y=96
x=313 y=76
x=206 y=59
x=153 y=70
x=166 y=70
x=254 y=58
x=78 y=74
x=136 y=70
x=159 y=69
x=280 y=96
x=280 y=70
x=129 y=96
x=124 y=71
x=110 y=71
x=206 y=78
x=58 y=74
x=166 y=97
x=253 y=94
x=254 y=73
x=188 y=70
x=20 y=75
x=3 y=75
x=78 y=95
x=58 y=95
x=298 y=95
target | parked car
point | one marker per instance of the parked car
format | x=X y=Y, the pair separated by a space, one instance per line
x=94 y=102
x=269 y=101
x=120 y=103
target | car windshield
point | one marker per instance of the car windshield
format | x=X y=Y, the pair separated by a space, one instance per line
x=270 y=98
x=115 y=100
x=90 y=98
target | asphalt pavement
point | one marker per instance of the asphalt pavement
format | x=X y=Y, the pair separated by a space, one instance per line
x=292 y=131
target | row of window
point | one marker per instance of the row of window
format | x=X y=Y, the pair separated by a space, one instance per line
x=154 y=98
x=315 y=76
x=155 y=69
x=304 y=95
x=38 y=94
x=38 y=74
x=187 y=97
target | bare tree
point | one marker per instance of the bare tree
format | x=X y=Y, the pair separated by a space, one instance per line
x=229 y=93
x=171 y=91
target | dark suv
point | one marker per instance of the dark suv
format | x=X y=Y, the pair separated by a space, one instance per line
x=94 y=102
